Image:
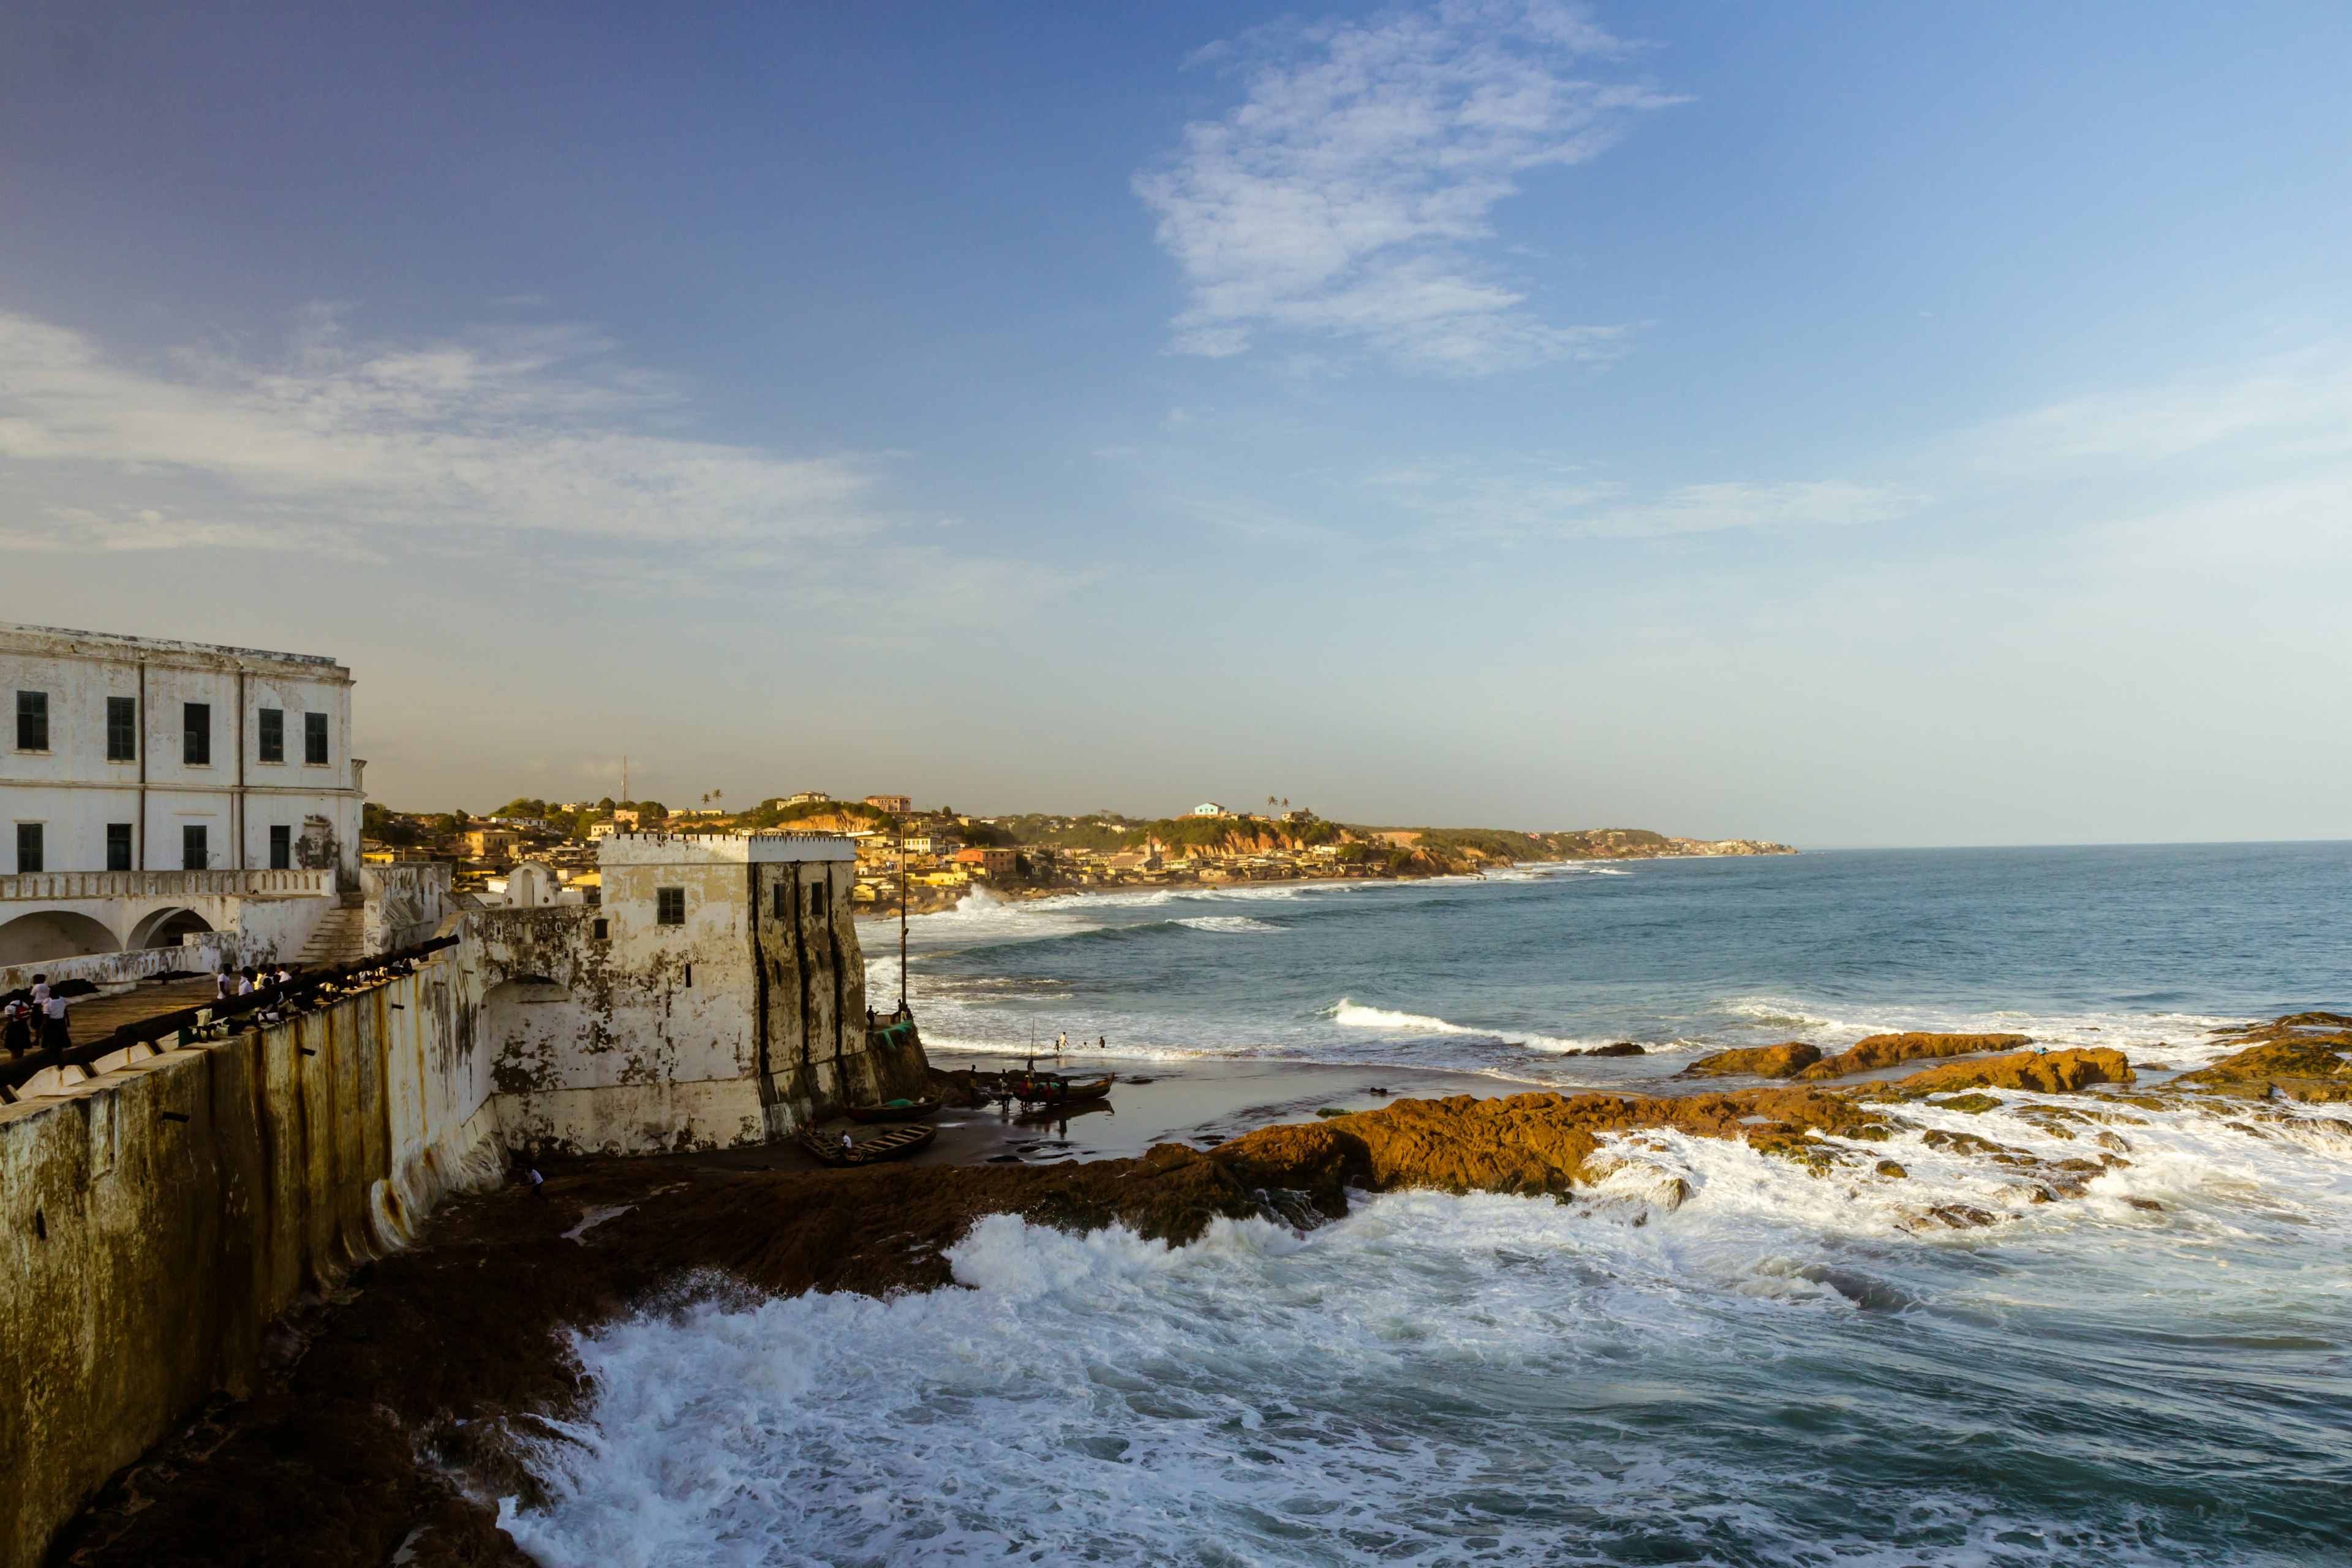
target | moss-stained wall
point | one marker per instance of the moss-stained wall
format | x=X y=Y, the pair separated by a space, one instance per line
x=142 y=1257
x=736 y=1026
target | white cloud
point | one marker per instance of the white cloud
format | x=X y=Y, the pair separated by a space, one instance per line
x=1563 y=505
x=2285 y=406
x=1347 y=192
x=364 y=449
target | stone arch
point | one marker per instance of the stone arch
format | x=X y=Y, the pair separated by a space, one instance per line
x=164 y=928
x=53 y=933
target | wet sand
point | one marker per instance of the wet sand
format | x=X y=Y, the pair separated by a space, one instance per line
x=1199 y=1104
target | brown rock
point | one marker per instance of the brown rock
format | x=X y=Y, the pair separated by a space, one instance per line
x=1889 y=1168
x=2052 y=1073
x=2290 y=1062
x=1891 y=1050
x=1527 y=1142
x=1622 y=1049
x=1763 y=1061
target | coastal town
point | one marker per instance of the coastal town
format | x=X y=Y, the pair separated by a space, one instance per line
x=938 y=854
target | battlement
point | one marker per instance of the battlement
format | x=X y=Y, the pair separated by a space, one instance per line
x=721 y=848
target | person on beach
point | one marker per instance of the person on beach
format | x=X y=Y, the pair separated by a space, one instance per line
x=538 y=1184
x=15 y=1031
x=54 y=1035
x=224 y=985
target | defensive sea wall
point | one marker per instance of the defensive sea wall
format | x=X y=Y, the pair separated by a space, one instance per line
x=154 y=1218
x=158 y=1209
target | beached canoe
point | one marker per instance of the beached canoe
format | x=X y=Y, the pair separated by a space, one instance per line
x=893 y=1144
x=1054 y=1089
x=893 y=1110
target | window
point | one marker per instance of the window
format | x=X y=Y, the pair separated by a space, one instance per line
x=783 y=902
x=118 y=847
x=194 y=854
x=281 y=848
x=669 y=906
x=314 y=739
x=32 y=721
x=601 y=930
x=28 y=847
x=273 y=734
x=121 y=729
x=196 y=734
x=820 y=900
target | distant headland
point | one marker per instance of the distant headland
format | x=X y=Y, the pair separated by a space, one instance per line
x=939 y=855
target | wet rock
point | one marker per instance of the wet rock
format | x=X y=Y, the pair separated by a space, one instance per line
x=2299 y=1057
x=1892 y=1050
x=1762 y=1061
x=1889 y=1168
x=1622 y=1049
x=1974 y=1104
x=2050 y=1072
x=1526 y=1143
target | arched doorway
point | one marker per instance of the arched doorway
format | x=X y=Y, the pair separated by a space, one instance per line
x=164 y=928
x=53 y=933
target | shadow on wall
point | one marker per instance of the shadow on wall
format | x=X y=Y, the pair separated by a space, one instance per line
x=54 y=934
x=164 y=928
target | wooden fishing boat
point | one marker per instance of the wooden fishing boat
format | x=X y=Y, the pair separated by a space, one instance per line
x=893 y=1110
x=1053 y=1088
x=896 y=1144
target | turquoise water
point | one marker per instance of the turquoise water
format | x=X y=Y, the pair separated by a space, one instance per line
x=1783 y=1369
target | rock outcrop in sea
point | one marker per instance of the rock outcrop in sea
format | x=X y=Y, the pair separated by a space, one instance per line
x=1876 y=1051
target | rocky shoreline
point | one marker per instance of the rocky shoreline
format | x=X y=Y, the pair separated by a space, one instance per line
x=398 y=1408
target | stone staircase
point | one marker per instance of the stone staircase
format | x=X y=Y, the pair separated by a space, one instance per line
x=340 y=937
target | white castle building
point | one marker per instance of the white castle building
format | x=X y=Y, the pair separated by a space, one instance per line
x=156 y=790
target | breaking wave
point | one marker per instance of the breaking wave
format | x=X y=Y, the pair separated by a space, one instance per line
x=1710 y=1356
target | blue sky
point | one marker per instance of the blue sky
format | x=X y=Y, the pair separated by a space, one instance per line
x=1925 y=423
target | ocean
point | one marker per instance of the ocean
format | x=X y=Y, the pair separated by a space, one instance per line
x=1785 y=1368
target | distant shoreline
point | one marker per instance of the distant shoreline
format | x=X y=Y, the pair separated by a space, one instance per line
x=1195 y=885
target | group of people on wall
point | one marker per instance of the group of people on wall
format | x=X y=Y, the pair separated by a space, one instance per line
x=34 y=1021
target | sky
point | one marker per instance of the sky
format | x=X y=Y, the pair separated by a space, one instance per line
x=1841 y=424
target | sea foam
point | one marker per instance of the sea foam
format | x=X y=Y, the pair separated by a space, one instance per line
x=1712 y=1355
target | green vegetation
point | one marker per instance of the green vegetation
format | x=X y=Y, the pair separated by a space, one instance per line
x=1099 y=831
x=1496 y=843
x=774 y=813
x=385 y=826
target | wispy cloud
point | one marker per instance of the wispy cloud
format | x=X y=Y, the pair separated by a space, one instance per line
x=1349 y=192
x=2280 y=406
x=1564 y=505
x=365 y=449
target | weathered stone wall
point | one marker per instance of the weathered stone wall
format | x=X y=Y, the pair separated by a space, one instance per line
x=403 y=905
x=737 y=1026
x=142 y=1257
